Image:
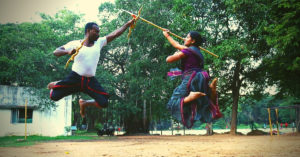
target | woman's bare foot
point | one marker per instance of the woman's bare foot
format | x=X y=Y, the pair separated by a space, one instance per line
x=213 y=87
x=51 y=85
x=82 y=107
x=192 y=96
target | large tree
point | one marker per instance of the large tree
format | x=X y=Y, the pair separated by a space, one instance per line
x=282 y=65
x=270 y=30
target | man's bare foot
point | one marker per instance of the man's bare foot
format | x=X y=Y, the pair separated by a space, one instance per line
x=192 y=96
x=51 y=85
x=82 y=107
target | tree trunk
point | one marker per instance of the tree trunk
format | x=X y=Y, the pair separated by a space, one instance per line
x=134 y=124
x=234 y=115
x=137 y=122
x=144 y=115
x=236 y=84
x=91 y=124
x=298 y=119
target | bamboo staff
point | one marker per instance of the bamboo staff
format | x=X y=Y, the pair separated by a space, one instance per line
x=25 y=120
x=276 y=110
x=163 y=29
x=270 y=121
x=132 y=26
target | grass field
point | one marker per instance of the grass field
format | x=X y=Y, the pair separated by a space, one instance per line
x=17 y=141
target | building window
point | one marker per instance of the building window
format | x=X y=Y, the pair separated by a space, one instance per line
x=18 y=115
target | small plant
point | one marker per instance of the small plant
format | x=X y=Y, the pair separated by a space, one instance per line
x=99 y=126
x=67 y=129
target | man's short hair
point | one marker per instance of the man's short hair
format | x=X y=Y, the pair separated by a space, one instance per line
x=89 y=26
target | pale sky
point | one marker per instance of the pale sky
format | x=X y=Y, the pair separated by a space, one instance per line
x=18 y=11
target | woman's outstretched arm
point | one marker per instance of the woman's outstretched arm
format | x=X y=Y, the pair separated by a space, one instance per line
x=177 y=55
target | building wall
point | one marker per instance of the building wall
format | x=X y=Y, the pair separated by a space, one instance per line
x=15 y=96
x=46 y=123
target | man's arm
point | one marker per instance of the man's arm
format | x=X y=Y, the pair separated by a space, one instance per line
x=61 y=51
x=118 y=32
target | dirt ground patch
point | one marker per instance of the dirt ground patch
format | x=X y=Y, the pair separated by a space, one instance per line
x=167 y=146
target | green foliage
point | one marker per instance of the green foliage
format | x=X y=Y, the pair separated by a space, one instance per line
x=282 y=32
x=220 y=124
x=243 y=126
x=67 y=129
x=18 y=141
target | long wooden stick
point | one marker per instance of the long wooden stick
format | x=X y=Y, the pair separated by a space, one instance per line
x=270 y=122
x=276 y=110
x=25 y=120
x=169 y=32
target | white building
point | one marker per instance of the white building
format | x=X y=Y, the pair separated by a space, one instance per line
x=51 y=122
